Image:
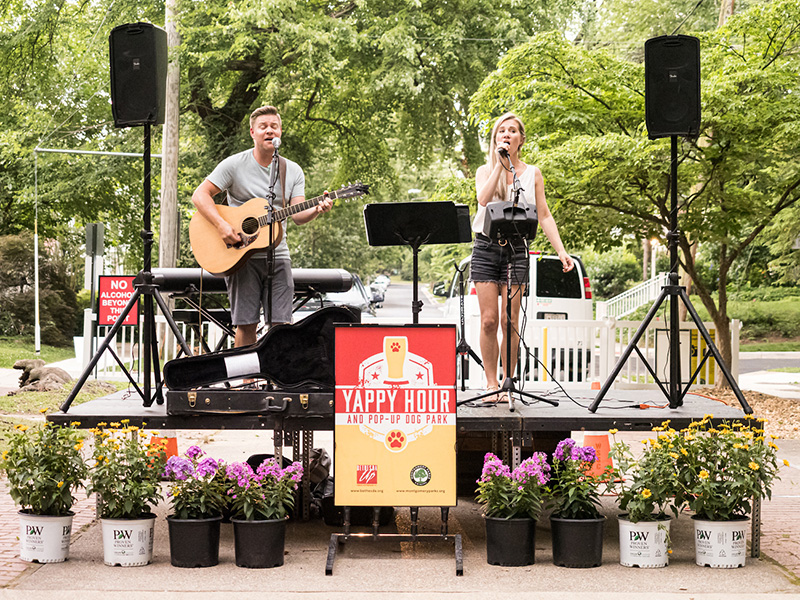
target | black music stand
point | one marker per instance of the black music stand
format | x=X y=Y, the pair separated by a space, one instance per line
x=415 y=224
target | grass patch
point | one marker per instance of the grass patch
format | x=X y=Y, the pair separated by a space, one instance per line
x=32 y=403
x=14 y=349
x=787 y=346
x=785 y=370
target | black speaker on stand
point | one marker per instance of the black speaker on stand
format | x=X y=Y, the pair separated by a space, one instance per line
x=672 y=108
x=138 y=57
x=672 y=86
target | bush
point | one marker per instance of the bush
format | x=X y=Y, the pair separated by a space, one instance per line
x=612 y=273
x=58 y=306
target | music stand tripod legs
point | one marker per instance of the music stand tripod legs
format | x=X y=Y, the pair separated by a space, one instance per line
x=509 y=383
x=463 y=348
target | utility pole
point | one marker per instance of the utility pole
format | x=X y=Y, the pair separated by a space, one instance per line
x=168 y=239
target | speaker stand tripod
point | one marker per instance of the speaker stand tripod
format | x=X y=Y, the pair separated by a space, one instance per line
x=673 y=292
x=148 y=290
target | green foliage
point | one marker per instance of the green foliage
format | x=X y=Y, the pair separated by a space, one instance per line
x=720 y=470
x=264 y=494
x=13 y=349
x=574 y=491
x=764 y=318
x=612 y=272
x=44 y=467
x=646 y=484
x=605 y=180
x=197 y=489
x=127 y=471
x=58 y=306
x=517 y=494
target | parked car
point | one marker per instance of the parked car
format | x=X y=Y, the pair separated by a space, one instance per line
x=382 y=281
x=356 y=297
x=551 y=295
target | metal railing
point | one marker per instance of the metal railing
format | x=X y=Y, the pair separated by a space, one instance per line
x=636 y=297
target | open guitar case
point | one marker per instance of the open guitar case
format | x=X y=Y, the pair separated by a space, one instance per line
x=297 y=358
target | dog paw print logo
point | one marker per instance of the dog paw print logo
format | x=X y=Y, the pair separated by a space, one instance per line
x=396 y=441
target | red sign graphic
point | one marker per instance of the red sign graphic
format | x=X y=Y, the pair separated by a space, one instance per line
x=114 y=293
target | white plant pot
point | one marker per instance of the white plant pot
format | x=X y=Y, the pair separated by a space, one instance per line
x=44 y=538
x=644 y=544
x=720 y=544
x=128 y=542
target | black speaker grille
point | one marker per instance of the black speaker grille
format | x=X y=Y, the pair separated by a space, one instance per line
x=672 y=86
x=138 y=55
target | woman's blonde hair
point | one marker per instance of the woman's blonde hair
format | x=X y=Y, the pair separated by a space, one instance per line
x=501 y=192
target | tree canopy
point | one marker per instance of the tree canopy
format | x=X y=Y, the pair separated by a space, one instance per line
x=584 y=111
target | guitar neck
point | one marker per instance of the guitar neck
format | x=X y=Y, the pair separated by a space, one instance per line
x=284 y=213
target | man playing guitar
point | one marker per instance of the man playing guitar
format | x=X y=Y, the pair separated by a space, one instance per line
x=244 y=176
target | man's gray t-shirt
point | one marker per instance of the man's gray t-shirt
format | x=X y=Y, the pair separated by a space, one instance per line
x=243 y=178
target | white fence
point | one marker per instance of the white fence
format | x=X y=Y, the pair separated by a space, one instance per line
x=576 y=353
x=573 y=353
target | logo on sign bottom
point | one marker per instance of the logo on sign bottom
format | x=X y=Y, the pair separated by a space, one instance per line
x=367 y=475
x=420 y=475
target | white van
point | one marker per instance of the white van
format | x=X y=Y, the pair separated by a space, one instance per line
x=552 y=295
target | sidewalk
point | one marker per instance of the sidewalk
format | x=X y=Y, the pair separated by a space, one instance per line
x=365 y=569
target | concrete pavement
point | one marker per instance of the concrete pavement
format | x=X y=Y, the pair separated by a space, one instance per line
x=380 y=570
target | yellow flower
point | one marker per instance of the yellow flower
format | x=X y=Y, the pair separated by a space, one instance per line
x=773 y=445
x=114 y=424
x=613 y=431
x=646 y=493
x=703 y=474
x=125 y=421
x=42 y=410
x=60 y=484
x=684 y=452
x=79 y=446
x=75 y=424
x=102 y=424
x=754 y=466
x=5 y=455
x=786 y=462
x=674 y=455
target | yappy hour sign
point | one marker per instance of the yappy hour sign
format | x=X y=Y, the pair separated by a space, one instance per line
x=395 y=416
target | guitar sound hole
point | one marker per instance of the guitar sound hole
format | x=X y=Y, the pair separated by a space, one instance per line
x=250 y=225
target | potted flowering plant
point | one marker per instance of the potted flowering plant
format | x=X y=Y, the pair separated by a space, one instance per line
x=512 y=503
x=198 y=499
x=720 y=470
x=646 y=488
x=126 y=475
x=260 y=501
x=44 y=467
x=576 y=522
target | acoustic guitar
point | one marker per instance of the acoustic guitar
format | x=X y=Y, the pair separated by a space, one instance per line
x=251 y=221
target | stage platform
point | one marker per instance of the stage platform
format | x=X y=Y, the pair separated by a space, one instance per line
x=313 y=411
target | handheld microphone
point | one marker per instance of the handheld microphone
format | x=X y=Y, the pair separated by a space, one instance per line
x=276 y=143
x=503 y=151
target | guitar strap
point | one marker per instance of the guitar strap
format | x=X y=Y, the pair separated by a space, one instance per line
x=282 y=172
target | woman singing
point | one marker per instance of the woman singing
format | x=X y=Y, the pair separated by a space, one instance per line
x=493 y=182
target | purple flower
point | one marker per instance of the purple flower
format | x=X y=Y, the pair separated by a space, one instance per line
x=179 y=468
x=564 y=449
x=241 y=473
x=533 y=470
x=207 y=467
x=194 y=452
x=493 y=467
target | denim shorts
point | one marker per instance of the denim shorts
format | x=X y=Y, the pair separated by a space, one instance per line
x=490 y=259
x=247 y=290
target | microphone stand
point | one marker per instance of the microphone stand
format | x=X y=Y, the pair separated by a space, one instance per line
x=271 y=230
x=508 y=386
